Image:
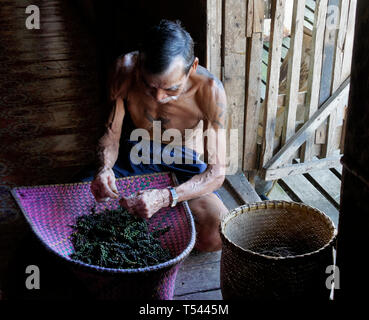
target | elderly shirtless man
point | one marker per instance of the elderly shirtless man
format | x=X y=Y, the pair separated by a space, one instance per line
x=163 y=82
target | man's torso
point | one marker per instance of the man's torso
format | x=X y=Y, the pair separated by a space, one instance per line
x=187 y=112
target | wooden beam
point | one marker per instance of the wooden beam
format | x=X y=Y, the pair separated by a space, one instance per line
x=234 y=72
x=324 y=134
x=349 y=41
x=293 y=75
x=340 y=43
x=311 y=196
x=258 y=16
x=253 y=85
x=315 y=71
x=300 y=168
x=213 y=37
x=249 y=18
x=274 y=61
x=308 y=129
x=327 y=183
x=277 y=193
x=301 y=98
x=242 y=188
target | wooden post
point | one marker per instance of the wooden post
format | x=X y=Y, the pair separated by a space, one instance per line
x=315 y=71
x=213 y=37
x=293 y=75
x=353 y=224
x=337 y=61
x=346 y=64
x=234 y=72
x=274 y=61
x=340 y=44
x=255 y=17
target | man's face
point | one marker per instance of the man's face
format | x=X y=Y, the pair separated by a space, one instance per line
x=167 y=86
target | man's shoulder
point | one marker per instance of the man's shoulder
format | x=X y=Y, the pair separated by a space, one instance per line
x=212 y=89
x=121 y=74
x=213 y=97
x=210 y=80
x=127 y=62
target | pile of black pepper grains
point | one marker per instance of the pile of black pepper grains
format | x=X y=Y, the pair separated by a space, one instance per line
x=117 y=239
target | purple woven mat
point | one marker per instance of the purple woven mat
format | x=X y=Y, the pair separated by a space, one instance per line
x=51 y=209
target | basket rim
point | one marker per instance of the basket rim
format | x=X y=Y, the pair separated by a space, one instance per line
x=272 y=204
x=99 y=269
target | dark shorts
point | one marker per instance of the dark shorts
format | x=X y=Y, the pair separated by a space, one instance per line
x=126 y=165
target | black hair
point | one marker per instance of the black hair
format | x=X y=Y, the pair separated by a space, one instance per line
x=162 y=43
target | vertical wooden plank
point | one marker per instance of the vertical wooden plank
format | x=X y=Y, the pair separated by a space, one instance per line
x=213 y=36
x=293 y=75
x=274 y=62
x=315 y=71
x=349 y=41
x=337 y=75
x=249 y=18
x=329 y=46
x=328 y=128
x=338 y=58
x=234 y=73
x=253 y=85
x=258 y=16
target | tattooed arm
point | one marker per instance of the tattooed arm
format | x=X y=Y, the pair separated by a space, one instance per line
x=108 y=145
x=214 y=102
x=103 y=186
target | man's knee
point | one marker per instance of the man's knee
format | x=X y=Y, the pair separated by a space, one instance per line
x=208 y=212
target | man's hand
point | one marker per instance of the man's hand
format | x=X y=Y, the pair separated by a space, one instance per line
x=103 y=187
x=145 y=203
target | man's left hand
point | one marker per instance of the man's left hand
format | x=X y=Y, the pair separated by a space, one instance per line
x=145 y=203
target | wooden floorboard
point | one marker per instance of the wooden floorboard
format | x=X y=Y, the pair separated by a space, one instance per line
x=311 y=196
x=327 y=183
x=242 y=189
x=228 y=199
x=206 y=295
x=197 y=278
x=277 y=193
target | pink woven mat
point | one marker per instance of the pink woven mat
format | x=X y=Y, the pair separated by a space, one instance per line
x=52 y=209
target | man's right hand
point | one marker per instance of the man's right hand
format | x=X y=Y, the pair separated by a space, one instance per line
x=103 y=187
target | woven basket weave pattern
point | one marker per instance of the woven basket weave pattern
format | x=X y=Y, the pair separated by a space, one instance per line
x=251 y=234
x=52 y=209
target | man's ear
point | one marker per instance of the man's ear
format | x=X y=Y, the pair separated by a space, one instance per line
x=194 y=65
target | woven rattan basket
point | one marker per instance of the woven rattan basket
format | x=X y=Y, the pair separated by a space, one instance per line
x=52 y=209
x=276 y=250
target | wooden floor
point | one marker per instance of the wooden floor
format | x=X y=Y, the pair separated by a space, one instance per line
x=320 y=189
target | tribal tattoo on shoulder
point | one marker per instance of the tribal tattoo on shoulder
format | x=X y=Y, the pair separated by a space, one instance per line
x=220 y=115
x=221 y=105
x=205 y=72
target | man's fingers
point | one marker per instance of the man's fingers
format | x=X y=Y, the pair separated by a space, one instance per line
x=113 y=187
x=123 y=202
x=102 y=191
x=102 y=199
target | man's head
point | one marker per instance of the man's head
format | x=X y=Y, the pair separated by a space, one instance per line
x=166 y=60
